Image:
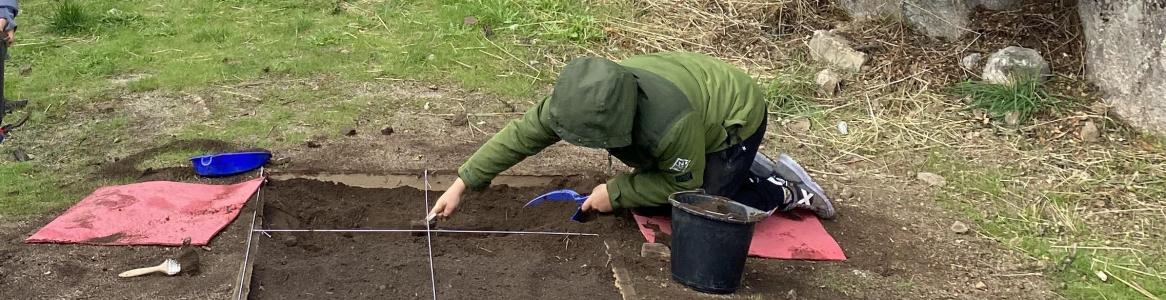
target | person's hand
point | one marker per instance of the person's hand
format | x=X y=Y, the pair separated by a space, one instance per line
x=9 y=35
x=599 y=200
x=448 y=202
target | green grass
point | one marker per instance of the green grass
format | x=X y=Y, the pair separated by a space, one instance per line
x=568 y=20
x=181 y=47
x=790 y=92
x=26 y=190
x=185 y=44
x=1025 y=97
x=1035 y=226
x=70 y=17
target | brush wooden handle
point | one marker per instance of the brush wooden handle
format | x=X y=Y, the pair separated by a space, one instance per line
x=143 y=271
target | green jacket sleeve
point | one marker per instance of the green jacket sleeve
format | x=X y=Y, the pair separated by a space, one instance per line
x=680 y=167
x=518 y=140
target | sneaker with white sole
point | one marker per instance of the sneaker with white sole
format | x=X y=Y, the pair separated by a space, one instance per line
x=806 y=194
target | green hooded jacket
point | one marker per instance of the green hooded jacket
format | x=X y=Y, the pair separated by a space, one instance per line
x=658 y=113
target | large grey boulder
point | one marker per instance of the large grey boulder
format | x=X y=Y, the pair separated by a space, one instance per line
x=944 y=19
x=872 y=9
x=835 y=50
x=1015 y=63
x=1126 y=58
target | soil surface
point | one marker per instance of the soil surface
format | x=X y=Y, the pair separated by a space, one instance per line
x=396 y=265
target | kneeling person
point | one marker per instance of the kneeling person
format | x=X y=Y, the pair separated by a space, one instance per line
x=684 y=121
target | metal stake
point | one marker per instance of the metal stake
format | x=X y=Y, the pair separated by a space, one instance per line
x=429 y=238
x=247 y=252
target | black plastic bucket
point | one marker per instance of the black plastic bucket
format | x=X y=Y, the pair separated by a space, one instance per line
x=710 y=240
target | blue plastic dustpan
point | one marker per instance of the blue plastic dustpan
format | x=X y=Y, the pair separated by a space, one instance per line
x=231 y=163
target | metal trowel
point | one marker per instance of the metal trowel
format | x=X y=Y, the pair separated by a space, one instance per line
x=567 y=195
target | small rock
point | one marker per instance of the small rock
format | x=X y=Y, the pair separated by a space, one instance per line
x=105 y=107
x=843 y=128
x=1014 y=62
x=791 y=295
x=433 y=87
x=25 y=70
x=800 y=125
x=345 y=51
x=312 y=144
x=1101 y=275
x=959 y=227
x=1012 y=118
x=348 y=131
x=835 y=50
x=829 y=83
x=980 y=285
x=19 y=155
x=461 y=119
x=1089 y=132
x=931 y=179
x=655 y=250
x=470 y=20
x=487 y=30
x=388 y=130
x=972 y=61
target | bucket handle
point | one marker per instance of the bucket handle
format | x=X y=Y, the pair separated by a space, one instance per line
x=206 y=160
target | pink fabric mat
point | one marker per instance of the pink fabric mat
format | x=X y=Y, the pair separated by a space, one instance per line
x=779 y=236
x=149 y=213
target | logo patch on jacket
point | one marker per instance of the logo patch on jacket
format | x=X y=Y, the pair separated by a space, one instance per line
x=680 y=166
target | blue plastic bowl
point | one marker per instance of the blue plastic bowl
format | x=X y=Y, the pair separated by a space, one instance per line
x=226 y=164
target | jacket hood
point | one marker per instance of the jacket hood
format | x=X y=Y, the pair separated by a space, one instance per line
x=594 y=104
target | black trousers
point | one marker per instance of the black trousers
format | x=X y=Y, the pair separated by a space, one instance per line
x=726 y=174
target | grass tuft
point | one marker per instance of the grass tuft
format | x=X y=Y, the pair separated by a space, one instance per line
x=1025 y=97
x=70 y=17
x=790 y=93
x=550 y=19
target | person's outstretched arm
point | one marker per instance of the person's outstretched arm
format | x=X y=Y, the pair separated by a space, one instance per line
x=517 y=141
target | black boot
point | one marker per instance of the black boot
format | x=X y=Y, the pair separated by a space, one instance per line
x=12 y=105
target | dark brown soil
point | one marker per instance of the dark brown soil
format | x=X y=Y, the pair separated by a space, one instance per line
x=396 y=265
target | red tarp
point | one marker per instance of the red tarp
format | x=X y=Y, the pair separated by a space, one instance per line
x=149 y=213
x=778 y=236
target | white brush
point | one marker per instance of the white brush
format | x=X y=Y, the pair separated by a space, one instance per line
x=169 y=267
